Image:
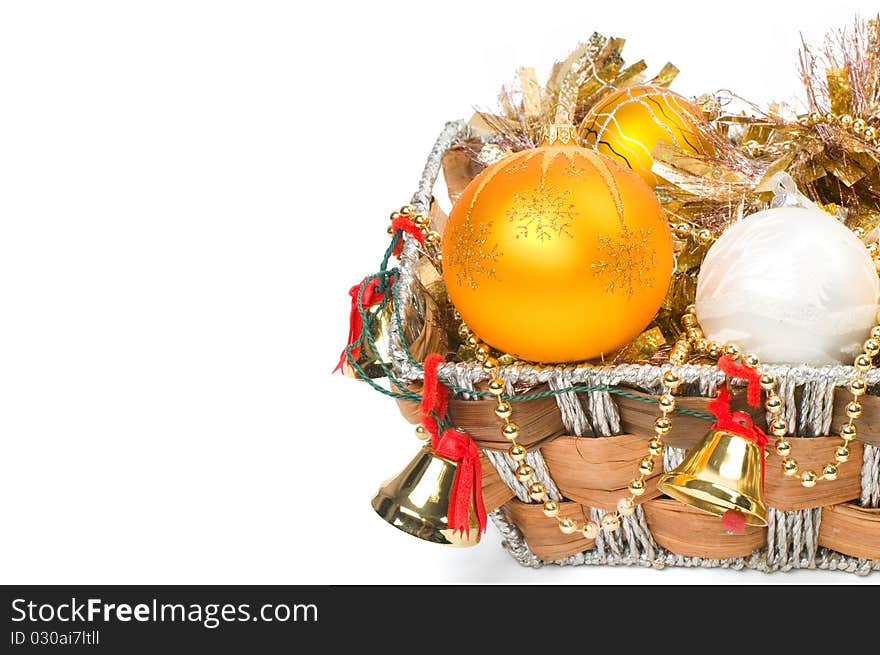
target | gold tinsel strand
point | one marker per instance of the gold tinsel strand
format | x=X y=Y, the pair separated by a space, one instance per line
x=831 y=150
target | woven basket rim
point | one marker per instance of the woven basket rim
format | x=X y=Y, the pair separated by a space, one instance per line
x=454 y=133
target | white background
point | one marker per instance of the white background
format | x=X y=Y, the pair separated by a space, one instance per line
x=187 y=191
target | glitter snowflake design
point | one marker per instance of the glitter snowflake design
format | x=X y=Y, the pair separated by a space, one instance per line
x=545 y=212
x=628 y=259
x=517 y=165
x=470 y=256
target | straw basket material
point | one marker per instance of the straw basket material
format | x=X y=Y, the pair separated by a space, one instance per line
x=585 y=447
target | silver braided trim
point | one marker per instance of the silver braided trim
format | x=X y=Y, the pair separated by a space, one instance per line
x=461 y=377
x=602 y=409
x=631 y=542
x=817 y=385
x=452 y=133
x=672 y=457
x=871 y=477
x=823 y=559
x=570 y=408
x=792 y=538
x=512 y=539
x=812 y=414
x=506 y=468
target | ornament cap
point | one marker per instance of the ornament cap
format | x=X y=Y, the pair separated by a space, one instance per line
x=557 y=134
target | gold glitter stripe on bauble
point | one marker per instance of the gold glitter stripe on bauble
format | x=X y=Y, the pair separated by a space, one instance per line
x=602 y=168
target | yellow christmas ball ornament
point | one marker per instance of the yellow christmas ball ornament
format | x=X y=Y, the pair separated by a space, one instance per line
x=557 y=254
x=629 y=122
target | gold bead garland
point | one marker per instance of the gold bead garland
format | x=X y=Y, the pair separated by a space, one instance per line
x=421 y=221
x=873 y=248
x=524 y=473
x=686 y=231
x=692 y=340
x=857 y=126
x=773 y=404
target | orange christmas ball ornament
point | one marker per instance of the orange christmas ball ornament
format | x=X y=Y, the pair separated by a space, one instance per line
x=557 y=254
x=629 y=122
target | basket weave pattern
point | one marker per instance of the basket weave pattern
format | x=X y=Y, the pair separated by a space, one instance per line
x=585 y=447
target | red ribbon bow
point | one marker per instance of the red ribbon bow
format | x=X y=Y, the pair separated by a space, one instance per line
x=405 y=224
x=435 y=396
x=455 y=445
x=739 y=423
x=750 y=375
x=459 y=447
x=370 y=297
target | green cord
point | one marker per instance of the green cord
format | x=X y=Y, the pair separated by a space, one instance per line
x=367 y=318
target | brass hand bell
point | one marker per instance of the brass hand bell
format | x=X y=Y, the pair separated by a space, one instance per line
x=721 y=474
x=417 y=501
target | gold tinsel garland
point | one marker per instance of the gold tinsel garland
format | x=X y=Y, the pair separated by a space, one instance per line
x=832 y=150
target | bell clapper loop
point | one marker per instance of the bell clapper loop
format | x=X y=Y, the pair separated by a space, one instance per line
x=733 y=521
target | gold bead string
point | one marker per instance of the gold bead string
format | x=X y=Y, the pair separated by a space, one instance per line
x=692 y=339
x=421 y=221
x=686 y=231
x=873 y=248
x=525 y=473
x=857 y=126
x=705 y=237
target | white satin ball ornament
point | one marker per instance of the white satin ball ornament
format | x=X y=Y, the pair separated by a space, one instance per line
x=792 y=285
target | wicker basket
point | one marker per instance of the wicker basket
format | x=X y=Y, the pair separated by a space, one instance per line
x=585 y=447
